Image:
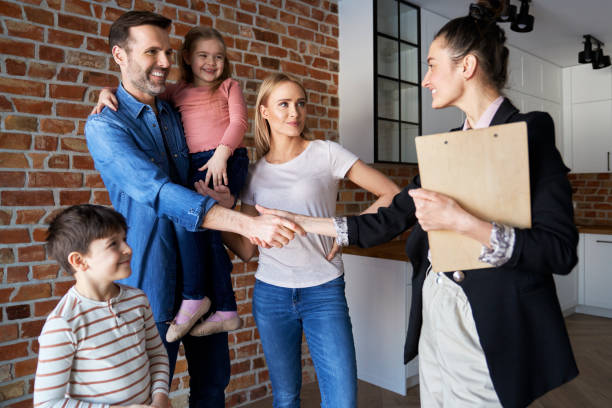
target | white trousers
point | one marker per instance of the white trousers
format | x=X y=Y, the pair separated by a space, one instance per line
x=453 y=372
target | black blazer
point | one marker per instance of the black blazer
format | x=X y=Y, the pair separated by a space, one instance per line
x=515 y=306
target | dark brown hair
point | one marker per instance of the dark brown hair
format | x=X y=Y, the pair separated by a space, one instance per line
x=479 y=35
x=76 y=227
x=120 y=30
x=191 y=38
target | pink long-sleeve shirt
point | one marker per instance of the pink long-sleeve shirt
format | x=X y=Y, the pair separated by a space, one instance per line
x=210 y=118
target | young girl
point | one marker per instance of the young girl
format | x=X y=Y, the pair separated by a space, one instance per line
x=299 y=288
x=488 y=337
x=214 y=119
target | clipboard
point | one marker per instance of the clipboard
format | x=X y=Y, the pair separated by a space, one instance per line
x=487 y=172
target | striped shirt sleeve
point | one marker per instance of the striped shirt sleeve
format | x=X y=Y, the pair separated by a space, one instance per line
x=55 y=358
x=158 y=357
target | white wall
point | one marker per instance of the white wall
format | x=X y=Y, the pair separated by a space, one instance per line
x=534 y=84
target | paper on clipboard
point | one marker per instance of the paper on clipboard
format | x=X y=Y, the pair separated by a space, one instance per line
x=487 y=172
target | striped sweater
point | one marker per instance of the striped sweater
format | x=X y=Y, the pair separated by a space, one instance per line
x=95 y=354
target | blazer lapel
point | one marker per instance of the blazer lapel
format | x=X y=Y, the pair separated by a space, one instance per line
x=503 y=114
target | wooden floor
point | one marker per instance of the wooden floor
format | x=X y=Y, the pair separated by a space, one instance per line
x=591 y=339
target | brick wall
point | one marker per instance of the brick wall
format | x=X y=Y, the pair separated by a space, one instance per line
x=53 y=60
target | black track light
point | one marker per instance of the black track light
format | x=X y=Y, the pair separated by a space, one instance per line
x=599 y=60
x=586 y=56
x=523 y=23
x=508 y=14
x=595 y=56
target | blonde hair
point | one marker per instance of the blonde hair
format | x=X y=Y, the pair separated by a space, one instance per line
x=262 y=128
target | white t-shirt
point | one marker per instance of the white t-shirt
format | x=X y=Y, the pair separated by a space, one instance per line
x=307 y=184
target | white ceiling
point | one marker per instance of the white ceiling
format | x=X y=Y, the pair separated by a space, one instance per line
x=558 y=28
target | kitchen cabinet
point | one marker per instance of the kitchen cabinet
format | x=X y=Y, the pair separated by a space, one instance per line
x=592 y=136
x=378 y=292
x=598 y=270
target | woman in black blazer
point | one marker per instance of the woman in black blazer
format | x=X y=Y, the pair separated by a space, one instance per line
x=513 y=305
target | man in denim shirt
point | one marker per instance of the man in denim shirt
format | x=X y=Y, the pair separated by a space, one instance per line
x=141 y=154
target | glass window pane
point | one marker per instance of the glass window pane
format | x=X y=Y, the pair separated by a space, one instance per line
x=388 y=141
x=409 y=24
x=387 y=57
x=409 y=132
x=410 y=63
x=388 y=99
x=410 y=103
x=387 y=17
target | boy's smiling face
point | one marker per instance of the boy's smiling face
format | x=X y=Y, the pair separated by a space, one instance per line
x=107 y=260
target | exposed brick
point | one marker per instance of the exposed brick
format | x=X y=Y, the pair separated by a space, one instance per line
x=93 y=181
x=6 y=256
x=26 y=198
x=16 y=312
x=22 y=87
x=60 y=288
x=25 y=367
x=293 y=68
x=55 y=179
x=29 y=216
x=13 y=390
x=297 y=8
x=30 y=254
x=5 y=104
x=10 y=9
x=17 y=274
x=74 y=144
x=100 y=79
x=56 y=126
x=11 y=178
x=24 y=30
x=8 y=332
x=37 y=15
x=15 y=67
x=97 y=44
x=73 y=92
x=39 y=234
x=42 y=272
x=69 y=197
x=31 y=292
x=86 y=60
x=19 y=48
x=15 y=141
x=301 y=33
x=82 y=162
x=65 y=38
x=33 y=106
x=51 y=54
x=77 y=24
x=78 y=7
x=265 y=36
x=59 y=161
x=48 y=143
x=101 y=197
x=27 y=123
x=43 y=308
x=68 y=74
x=13 y=160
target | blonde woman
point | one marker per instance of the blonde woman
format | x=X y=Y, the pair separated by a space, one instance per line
x=298 y=290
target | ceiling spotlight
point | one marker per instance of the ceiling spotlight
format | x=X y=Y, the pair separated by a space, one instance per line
x=523 y=22
x=586 y=56
x=599 y=60
x=508 y=14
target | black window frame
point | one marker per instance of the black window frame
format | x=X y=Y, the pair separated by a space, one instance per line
x=398 y=79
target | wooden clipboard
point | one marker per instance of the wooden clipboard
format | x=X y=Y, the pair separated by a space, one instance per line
x=487 y=172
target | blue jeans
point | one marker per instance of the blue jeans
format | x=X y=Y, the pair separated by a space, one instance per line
x=209 y=274
x=208 y=364
x=321 y=312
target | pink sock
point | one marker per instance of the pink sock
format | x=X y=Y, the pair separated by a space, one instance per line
x=220 y=316
x=188 y=308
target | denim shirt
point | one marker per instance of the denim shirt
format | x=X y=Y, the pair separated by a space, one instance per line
x=128 y=151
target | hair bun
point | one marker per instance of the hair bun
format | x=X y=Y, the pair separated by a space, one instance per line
x=486 y=11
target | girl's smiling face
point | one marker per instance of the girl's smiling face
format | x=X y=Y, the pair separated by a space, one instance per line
x=207 y=60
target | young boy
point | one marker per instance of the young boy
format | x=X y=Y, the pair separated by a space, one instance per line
x=100 y=344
